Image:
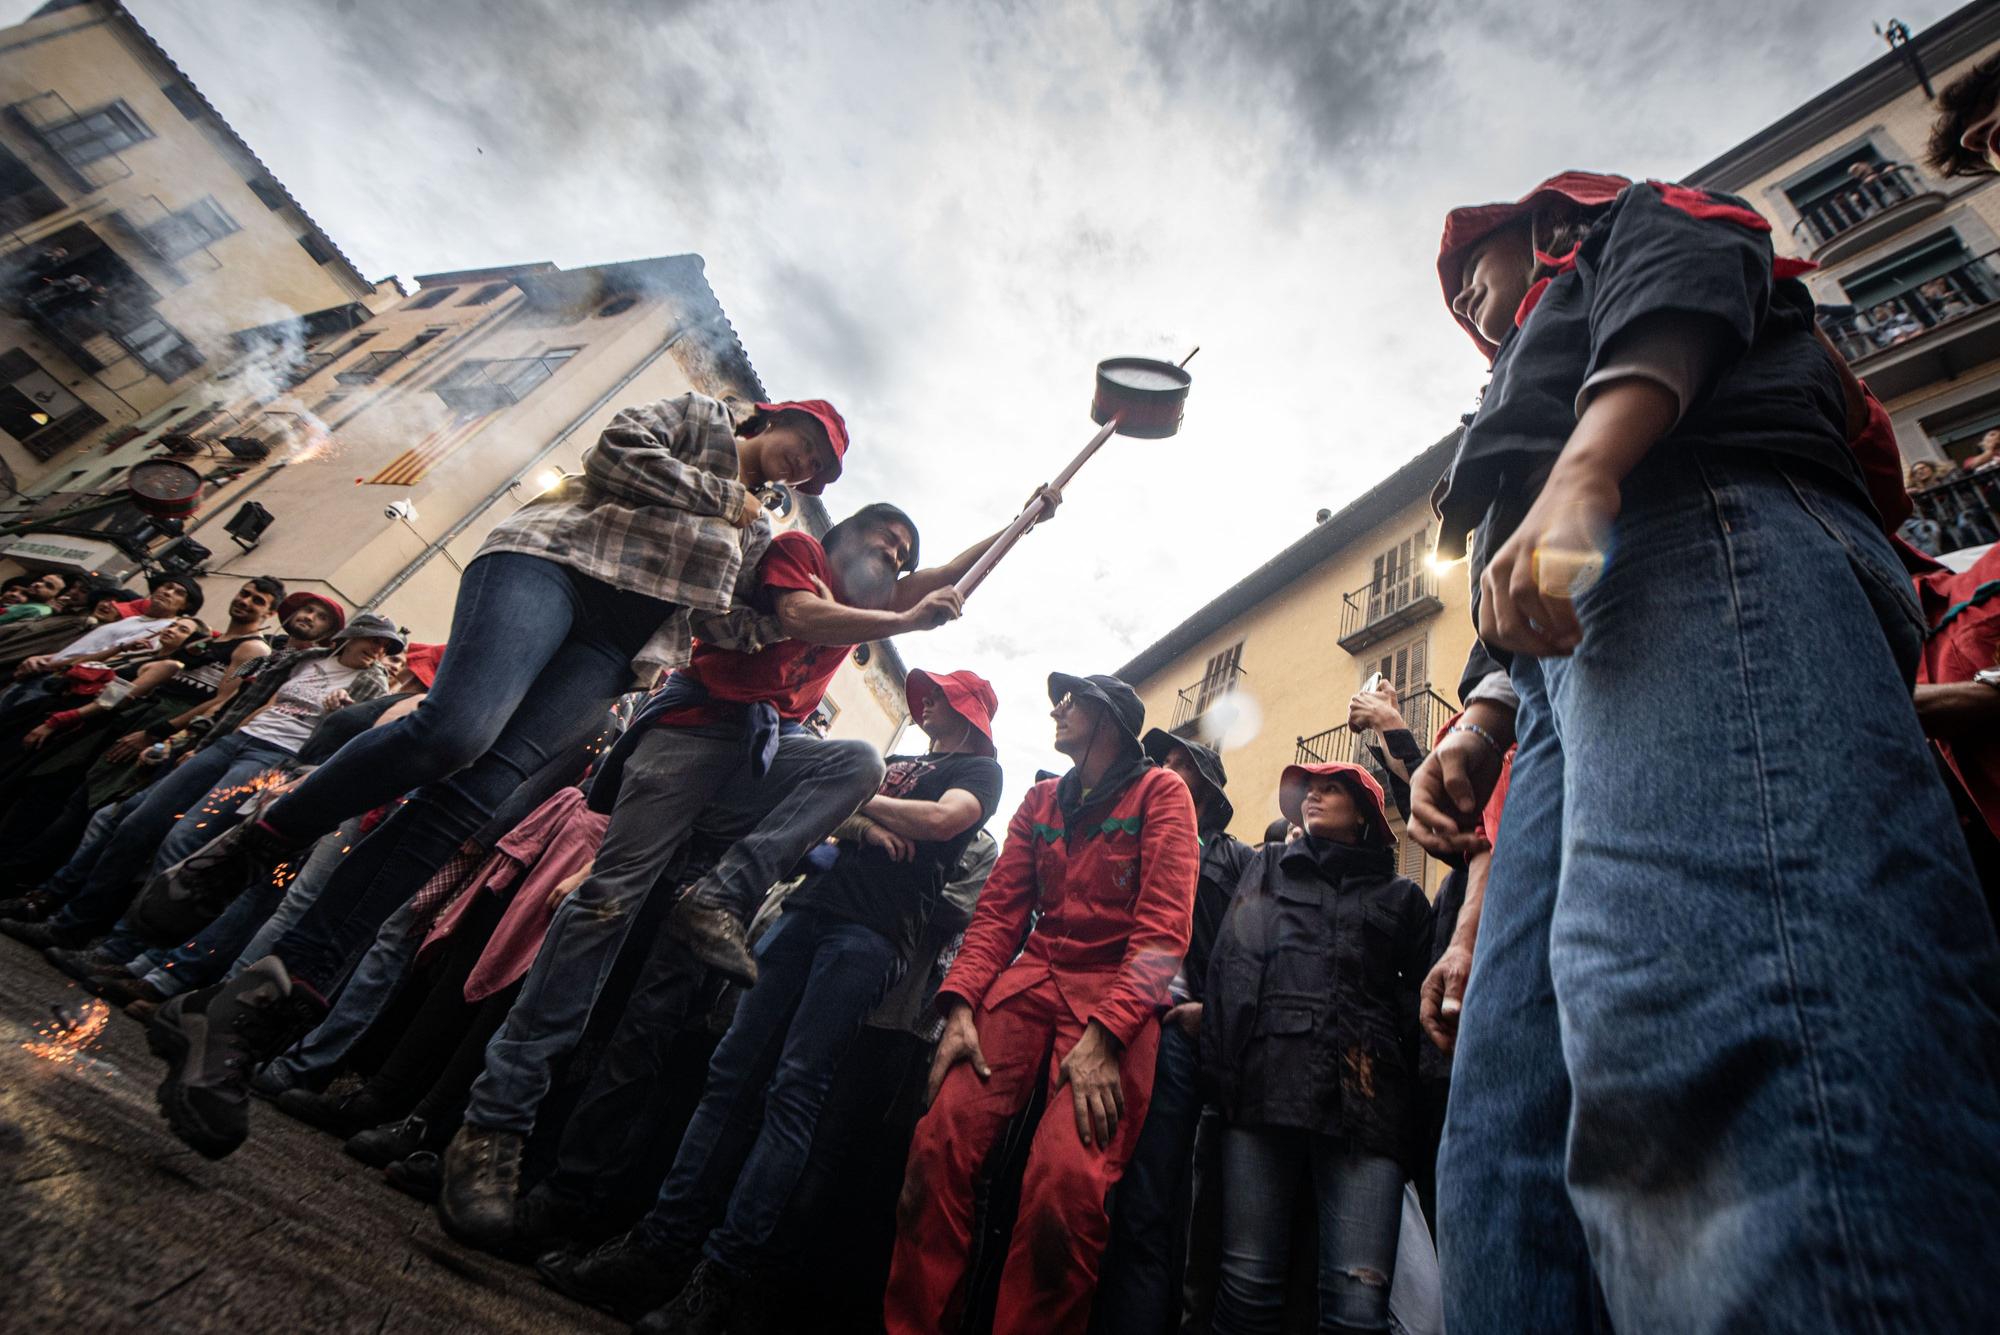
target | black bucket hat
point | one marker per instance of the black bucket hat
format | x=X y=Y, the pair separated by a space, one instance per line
x=1159 y=744
x=1121 y=701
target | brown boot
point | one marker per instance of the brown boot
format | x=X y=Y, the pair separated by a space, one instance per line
x=714 y=937
x=482 y=1177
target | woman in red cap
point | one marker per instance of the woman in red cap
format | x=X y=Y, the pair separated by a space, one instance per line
x=1310 y=1034
x=1684 y=1069
x=845 y=937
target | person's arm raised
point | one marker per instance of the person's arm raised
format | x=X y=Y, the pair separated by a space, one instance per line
x=912 y=588
x=819 y=618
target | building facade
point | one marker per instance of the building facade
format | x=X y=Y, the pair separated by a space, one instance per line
x=1265 y=671
x=138 y=236
x=1909 y=276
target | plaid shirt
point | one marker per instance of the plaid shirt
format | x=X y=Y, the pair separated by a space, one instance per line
x=263 y=676
x=651 y=514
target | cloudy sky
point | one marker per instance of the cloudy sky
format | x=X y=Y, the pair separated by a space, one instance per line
x=941 y=216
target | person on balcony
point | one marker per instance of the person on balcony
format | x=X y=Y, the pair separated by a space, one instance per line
x=1889 y=325
x=1942 y=301
x=1669 y=469
x=1987 y=456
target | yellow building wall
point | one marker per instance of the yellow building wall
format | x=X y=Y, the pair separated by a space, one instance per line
x=1297 y=676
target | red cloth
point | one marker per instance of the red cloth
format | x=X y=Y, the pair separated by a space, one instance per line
x=831 y=422
x=790 y=675
x=1881 y=464
x=1117 y=907
x=969 y=694
x=1060 y=1232
x=422 y=660
x=133 y=608
x=1968 y=645
x=557 y=838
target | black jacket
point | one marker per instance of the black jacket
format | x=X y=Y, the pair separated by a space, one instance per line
x=1310 y=1018
x=1223 y=858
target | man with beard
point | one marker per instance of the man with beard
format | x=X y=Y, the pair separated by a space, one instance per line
x=720 y=750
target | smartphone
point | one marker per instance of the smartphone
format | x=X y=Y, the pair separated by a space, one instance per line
x=1372 y=685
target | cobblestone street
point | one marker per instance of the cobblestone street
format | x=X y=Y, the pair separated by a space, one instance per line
x=108 y=1224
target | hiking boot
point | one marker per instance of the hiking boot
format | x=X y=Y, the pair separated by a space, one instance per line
x=702 y=1307
x=380 y=1146
x=89 y=967
x=418 y=1175
x=43 y=935
x=187 y=896
x=714 y=937
x=549 y=1219
x=212 y=1037
x=35 y=906
x=482 y=1177
x=142 y=1011
x=126 y=990
x=341 y=1114
x=626 y=1276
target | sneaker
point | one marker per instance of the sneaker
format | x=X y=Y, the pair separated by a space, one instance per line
x=702 y=1307
x=419 y=1175
x=42 y=935
x=35 y=906
x=714 y=937
x=124 y=991
x=88 y=967
x=627 y=1276
x=380 y=1146
x=211 y=1037
x=482 y=1178
x=187 y=896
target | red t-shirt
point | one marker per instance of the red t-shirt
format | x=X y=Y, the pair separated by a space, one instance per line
x=790 y=675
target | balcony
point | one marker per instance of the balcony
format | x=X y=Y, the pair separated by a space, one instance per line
x=484 y=387
x=1927 y=332
x=1422 y=708
x=1382 y=607
x=369 y=366
x=1192 y=702
x=1858 y=215
x=308 y=367
x=1965 y=509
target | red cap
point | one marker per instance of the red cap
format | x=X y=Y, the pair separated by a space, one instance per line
x=295 y=601
x=422 y=661
x=968 y=693
x=1466 y=227
x=831 y=421
x=1292 y=795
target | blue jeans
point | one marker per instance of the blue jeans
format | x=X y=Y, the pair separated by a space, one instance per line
x=1359 y=1202
x=817 y=979
x=1138 y=1289
x=538 y=654
x=1729 y=1044
x=368 y=991
x=176 y=816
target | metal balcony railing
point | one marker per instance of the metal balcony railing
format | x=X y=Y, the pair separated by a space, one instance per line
x=486 y=386
x=1423 y=709
x=1916 y=310
x=1961 y=512
x=1384 y=606
x=1851 y=205
x=365 y=369
x=308 y=367
x=1194 y=701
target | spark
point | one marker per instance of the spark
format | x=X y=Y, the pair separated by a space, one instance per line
x=67 y=1039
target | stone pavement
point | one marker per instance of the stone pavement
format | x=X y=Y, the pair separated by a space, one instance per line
x=108 y=1224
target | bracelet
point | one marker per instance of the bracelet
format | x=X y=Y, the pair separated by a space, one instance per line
x=1480 y=733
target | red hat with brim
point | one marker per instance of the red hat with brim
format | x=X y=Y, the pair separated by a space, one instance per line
x=1465 y=228
x=422 y=661
x=1292 y=796
x=970 y=695
x=294 y=602
x=831 y=422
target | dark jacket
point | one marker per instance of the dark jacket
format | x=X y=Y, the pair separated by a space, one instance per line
x=1310 y=1018
x=1223 y=858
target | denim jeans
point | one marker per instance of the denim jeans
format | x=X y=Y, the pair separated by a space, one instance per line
x=1358 y=1199
x=1730 y=1037
x=678 y=783
x=361 y=1000
x=176 y=816
x=1139 y=1291
x=325 y=857
x=538 y=654
x=817 y=979
x=67 y=880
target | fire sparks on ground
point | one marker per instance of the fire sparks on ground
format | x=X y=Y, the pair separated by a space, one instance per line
x=67 y=1039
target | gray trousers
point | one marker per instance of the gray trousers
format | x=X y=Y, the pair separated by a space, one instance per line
x=680 y=782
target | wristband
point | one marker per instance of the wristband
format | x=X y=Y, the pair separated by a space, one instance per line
x=1480 y=733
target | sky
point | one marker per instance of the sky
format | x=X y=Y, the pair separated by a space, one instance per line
x=941 y=215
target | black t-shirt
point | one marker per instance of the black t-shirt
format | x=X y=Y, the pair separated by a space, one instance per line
x=895 y=898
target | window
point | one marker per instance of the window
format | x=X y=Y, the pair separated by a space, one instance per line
x=431 y=296
x=486 y=294
x=1398 y=576
x=321 y=252
x=187 y=230
x=1219 y=677
x=486 y=386
x=185 y=100
x=268 y=192
x=1404 y=666
x=37 y=411
x=352 y=344
x=429 y=335
x=96 y=134
x=160 y=348
x=23 y=197
x=616 y=306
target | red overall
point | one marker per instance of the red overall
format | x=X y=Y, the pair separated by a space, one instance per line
x=1117 y=900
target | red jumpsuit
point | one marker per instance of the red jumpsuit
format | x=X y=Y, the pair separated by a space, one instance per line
x=1116 y=899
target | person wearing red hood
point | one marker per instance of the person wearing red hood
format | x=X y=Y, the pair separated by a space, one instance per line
x=1703 y=989
x=845 y=937
x=564 y=596
x=1098 y=878
x=1310 y=1035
